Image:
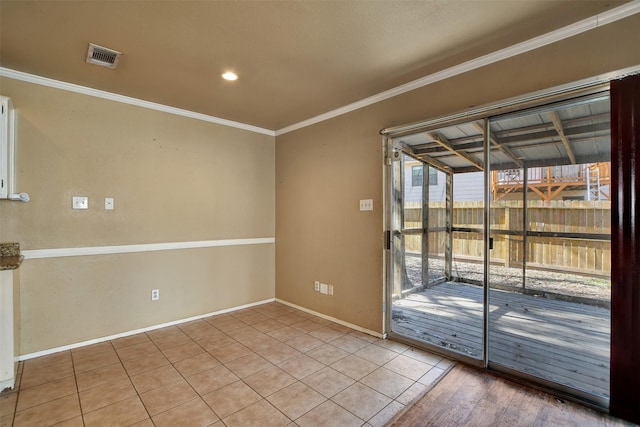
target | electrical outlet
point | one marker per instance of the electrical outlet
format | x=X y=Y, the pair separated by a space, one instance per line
x=108 y=203
x=80 y=202
x=316 y=286
x=155 y=294
x=366 y=205
x=324 y=288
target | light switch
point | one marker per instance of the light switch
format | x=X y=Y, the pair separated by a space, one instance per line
x=366 y=205
x=324 y=288
x=108 y=203
x=80 y=202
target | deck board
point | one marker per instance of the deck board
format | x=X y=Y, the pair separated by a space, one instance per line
x=556 y=340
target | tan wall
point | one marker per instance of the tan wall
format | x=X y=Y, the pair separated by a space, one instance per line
x=174 y=179
x=323 y=170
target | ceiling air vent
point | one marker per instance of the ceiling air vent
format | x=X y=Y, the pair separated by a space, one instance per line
x=102 y=56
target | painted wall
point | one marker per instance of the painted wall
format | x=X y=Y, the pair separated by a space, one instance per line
x=174 y=179
x=323 y=170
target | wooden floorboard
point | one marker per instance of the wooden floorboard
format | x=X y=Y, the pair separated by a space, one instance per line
x=556 y=340
x=468 y=396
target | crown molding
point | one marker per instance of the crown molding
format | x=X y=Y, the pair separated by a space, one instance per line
x=56 y=84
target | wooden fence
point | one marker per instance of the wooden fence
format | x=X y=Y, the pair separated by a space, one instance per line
x=578 y=254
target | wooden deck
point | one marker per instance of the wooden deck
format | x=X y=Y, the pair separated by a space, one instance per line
x=564 y=342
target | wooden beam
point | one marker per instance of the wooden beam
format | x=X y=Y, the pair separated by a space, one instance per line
x=506 y=150
x=557 y=123
x=408 y=149
x=441 y=140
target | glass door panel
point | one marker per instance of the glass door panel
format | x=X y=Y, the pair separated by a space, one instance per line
x=437 y=243
x=549 y=313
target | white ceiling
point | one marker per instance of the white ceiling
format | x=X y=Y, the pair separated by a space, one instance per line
x=295 y=59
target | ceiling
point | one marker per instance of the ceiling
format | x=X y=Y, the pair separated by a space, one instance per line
x=295 y=59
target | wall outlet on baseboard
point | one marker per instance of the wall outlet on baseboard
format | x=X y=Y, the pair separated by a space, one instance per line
x=155 y=294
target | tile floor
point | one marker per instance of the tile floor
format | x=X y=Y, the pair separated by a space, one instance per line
x=269 y=365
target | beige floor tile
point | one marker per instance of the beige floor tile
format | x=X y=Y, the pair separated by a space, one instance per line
x=142 y=364
x=410 y=368
x=95 y=360
x=432 y=376
x=49 y=413
x=412 y=393
x=291 y=318
x=285 y=334
x=259 y=342
x=250 y=318
x=326 y=334
x=270 y=380
x=381 y=418
x=231 y=398
x=183 y=351
x=349 y=343
x=329 y=414
x=90 y=350
x=260 y=414
x=51 y=359
x=376 y=354
x=196 y=364
x=163 y=332
x=46 y=392
x=304 y=343
x=296 y=400
x=97 y=377
x=364 y=337
x=278 y=353
x=227 y=323
x=130 y=340
x=155 y=378
x=73 y=422
x=244 y=332
x=106 y=395
x=269 y=325
x=301 y=366
x=215 y=342
x=172 y=340
x=308 y=326
x=230 y=352
x=212 y=379
x=248 y=365
x=422 y=356
x=387 y=382
x=136 y=351
x=44 y=374
x=124 y=413
x=340 y=328
x=166 y=397
x=192 y=413
x=328 y=382
x=361 y=400
x=204 y=331
x=445 y=364
x=392 y=345
x=354 y=367
x=328 y=354
x=144 y=423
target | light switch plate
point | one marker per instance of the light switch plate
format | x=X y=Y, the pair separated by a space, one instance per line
x=108 y=203
x=324 y=289
x=80 y=202
x=366 y=205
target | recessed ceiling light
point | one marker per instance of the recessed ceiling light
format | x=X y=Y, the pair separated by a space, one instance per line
x=230 y=76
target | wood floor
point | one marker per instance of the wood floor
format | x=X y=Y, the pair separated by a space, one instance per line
x=469 y=397
x=559 y=341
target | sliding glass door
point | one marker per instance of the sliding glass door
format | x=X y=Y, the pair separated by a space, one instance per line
x=499 y=241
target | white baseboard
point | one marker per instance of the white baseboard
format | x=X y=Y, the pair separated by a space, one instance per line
x=137 y=331
x=333 y=319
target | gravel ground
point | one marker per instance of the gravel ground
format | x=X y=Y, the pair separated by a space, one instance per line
x=556 y=282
